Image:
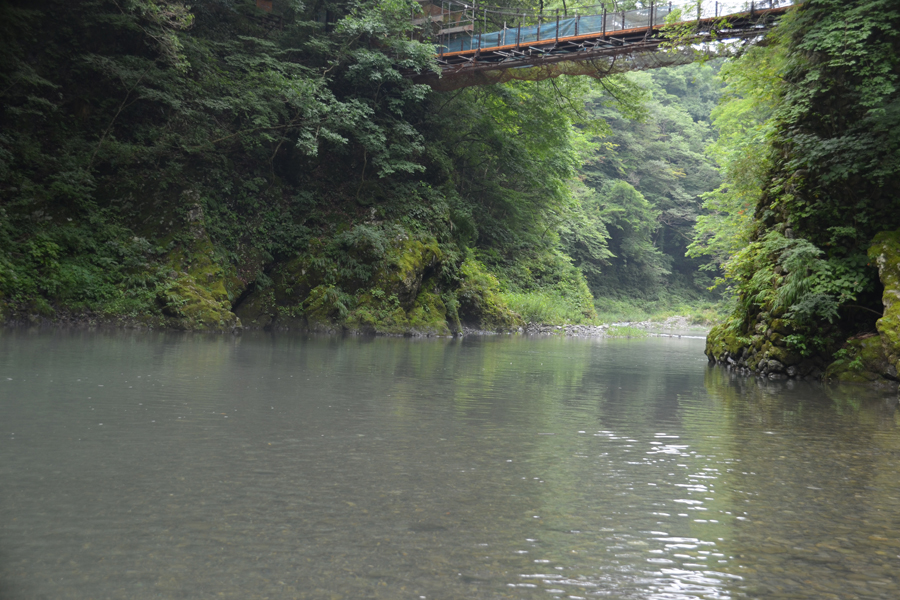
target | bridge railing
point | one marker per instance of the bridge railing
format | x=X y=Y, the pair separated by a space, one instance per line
x=456 y=26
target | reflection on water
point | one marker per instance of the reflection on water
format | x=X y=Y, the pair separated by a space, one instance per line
x=184 y=466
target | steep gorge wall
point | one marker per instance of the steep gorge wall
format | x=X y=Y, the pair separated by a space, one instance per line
x=815 y=285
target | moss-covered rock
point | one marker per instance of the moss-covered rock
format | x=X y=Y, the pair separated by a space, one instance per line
x=191 y=306
x=378 y=313
x=429 y=313
x=876 y=358
x=764 y=354
x=861 y=360
x=198 y=262
x=258 y=310
x=325 y=307
x=778 y=326
x=885 y=253
x=284 y=298
x=408 y=262
x=783 y=355
x=404 y=297
x=400 y=296
x=773 y=342
x=196 y=298
x=721 y=340
x=480 y=303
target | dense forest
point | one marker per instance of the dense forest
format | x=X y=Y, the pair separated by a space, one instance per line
x=216 y=165
x=189 y=166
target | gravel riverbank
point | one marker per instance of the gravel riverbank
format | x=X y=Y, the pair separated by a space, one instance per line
x=671 y=327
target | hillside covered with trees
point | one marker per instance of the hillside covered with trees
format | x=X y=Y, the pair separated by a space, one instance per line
x=191 y=167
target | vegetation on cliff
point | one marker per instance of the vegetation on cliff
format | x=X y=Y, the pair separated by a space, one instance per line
x=809 y=142
x=206 y=165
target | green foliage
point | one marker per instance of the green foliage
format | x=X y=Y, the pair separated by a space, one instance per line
x=584 y=235
x=647 y=178
x=567 y=301
x=808 y=145
x=701 y=312
x=791 y=277
x=513 y=151
x=631 y=220
x=745 y=123
x=172 y=161
x=133 y=113
x=480 y=301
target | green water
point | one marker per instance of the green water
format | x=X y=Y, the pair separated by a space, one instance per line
x=184 y=466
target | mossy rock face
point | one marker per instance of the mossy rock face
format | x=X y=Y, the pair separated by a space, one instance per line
x=863 y=361
x=201 y=266
x=191 y=306
x=195 y=254
x=756 y=353
x=721 y=340
x=408 y=263
x=754 y=362
x=429 y=314
x=403 y=297
x=782 y=355
x=258 y=311
x=197 y=298
x=377 y=313
x=480 y=304
x=281 y=303
x=400 y=297
x=757 y=341
x=885 y=252
x=324 y=308
x=780 y=326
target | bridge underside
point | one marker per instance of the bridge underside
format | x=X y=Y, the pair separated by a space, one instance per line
x=593 y=54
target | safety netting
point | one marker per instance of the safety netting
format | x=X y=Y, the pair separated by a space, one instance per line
x=521 y=29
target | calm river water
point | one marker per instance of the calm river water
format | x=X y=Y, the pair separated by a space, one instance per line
x=153 y=465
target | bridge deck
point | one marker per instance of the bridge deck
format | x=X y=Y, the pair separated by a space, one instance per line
x=741 y=25
x=592 y=45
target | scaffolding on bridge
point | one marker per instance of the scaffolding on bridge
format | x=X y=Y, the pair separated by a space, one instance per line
x=473 y=40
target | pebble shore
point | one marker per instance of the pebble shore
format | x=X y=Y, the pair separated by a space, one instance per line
x=666 y=328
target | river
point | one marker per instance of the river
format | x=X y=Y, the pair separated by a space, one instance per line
x=163 y=465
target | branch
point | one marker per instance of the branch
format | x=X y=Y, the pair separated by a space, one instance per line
x=237 y=133
x=118 y=112
x=880 y=314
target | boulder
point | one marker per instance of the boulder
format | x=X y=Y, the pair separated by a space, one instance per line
x=861 y=360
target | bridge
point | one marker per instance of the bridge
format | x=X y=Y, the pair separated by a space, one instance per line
x=479 y=45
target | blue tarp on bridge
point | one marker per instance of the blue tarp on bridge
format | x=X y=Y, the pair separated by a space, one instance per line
x=568 y=27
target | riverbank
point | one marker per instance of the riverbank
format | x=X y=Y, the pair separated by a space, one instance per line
x=676 y=326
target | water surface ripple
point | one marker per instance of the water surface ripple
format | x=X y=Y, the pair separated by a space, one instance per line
x=187 y=466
